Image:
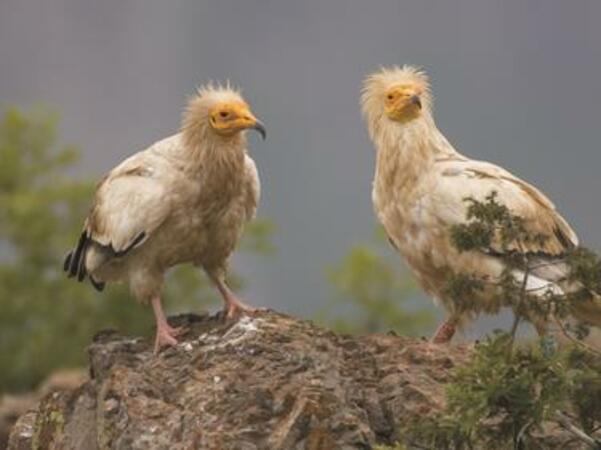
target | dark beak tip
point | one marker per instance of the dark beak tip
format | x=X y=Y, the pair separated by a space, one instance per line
x=260 y=128
x=416 y=101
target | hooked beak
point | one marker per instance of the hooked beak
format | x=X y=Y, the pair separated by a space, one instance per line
x=260 y=128
x=415 y=100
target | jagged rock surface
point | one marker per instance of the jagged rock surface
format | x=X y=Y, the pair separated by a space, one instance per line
x=264 y=382
x=12 y=406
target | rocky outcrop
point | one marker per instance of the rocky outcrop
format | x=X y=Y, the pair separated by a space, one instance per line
x=263 y=382
x=12 y=406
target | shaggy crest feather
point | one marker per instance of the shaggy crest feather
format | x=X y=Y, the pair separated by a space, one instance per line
x=376 y=85
x=194 y=118
x=373 y=96
x=217 y=89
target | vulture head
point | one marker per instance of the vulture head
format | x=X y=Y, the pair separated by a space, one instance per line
x=219 y=111
x=396 y=95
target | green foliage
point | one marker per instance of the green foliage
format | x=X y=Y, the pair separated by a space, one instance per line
x=47 y=320
x=377 y=292
x=508 y=400
x=585 y=269
x=585 y=389
x=386 y=447
x=492 y=228
x=463 y=290
x=508 y=397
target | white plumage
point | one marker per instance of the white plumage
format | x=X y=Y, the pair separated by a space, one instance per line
x=419 y=191
x=183 y=200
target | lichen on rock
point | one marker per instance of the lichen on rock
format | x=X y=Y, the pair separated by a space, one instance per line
x=267 y=381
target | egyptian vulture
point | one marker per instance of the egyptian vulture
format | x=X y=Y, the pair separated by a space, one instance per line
x=185 y=199
x=419 y=191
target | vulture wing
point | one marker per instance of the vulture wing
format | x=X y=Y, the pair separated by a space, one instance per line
x=457 y=178
x=130 y=203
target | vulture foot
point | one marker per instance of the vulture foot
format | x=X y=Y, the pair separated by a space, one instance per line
x=234 y=308
x=166 y=335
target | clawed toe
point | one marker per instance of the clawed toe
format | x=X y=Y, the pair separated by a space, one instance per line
x=177 y=331
x=236 y=309
x=166 y=336
x=162 y=340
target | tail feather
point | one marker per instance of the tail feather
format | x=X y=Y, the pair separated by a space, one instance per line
x=98 y=285
x=67 y=262
x=556 y=272
x=77 y=254
x=75 y=262
x=81 y=268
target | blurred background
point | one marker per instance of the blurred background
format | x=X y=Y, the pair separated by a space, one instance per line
x=85 y=84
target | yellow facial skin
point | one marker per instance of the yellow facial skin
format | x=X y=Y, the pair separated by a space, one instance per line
x=229 y=118
x=403 y=103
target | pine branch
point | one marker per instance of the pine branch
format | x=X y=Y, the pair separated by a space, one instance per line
x=571 y=338
x=563 y=420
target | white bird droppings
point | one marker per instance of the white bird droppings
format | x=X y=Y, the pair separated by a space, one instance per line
x=244 y=328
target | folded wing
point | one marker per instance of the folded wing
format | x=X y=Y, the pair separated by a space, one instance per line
x=458 y=178
x=130 y=203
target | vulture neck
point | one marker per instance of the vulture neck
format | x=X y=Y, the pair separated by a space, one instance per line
x=406 y=152
x=217 y=161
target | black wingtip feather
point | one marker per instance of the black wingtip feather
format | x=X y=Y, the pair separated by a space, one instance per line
x=74 y=266
x=81 y=269
x=75 y=262
x=564 y=240
x=67 y=262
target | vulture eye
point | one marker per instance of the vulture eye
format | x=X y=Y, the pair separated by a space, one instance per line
x=390 y=96
x=224 y=114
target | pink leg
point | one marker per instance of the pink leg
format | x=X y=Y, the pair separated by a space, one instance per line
x=166 y=334
x=445 y=332
x=233 y=306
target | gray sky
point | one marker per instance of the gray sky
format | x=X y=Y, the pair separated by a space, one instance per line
x=516 y=82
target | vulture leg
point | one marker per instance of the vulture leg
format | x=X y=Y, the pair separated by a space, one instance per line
x=166 y=334
x=233 y=307
x=445 y=331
